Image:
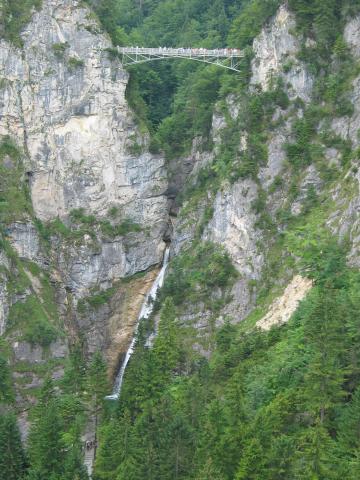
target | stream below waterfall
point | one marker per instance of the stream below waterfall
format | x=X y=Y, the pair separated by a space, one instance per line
x=145 y=312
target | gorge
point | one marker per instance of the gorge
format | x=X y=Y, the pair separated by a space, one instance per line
x=193 y=226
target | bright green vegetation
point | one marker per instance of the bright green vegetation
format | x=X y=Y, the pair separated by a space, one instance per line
x=54 y=441
x=250 y=21
x=35 y=318
x=96 y=301
x=53 y=448
x=272 y=405
x=197 y=273
x=176 y=99
x=14 y=15
x=55 y=427
x=12 y=455
x=282 y=404
x=15 y=202
x=125 y=227
x=81 y=224
x=6 y=384
x=18 y=281
x=75 y=63
x=32 y=319
x=59 y=49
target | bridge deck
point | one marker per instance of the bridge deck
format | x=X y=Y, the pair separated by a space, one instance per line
x=182 y=52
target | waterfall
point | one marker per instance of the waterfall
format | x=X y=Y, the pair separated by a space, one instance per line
x=145 y=312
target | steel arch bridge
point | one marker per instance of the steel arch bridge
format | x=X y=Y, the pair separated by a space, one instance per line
x=228 y=58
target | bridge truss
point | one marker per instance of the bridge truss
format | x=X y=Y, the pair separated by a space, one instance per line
x=226 y=57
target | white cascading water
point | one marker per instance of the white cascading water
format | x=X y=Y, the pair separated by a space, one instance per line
x=145 y=313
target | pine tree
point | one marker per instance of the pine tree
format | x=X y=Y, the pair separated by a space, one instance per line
x=352 y=319
x=12 y=457
x=233 y=438
x=129 y=469
x=166 y=347
x=6 y=387
x=252 y=464
x=97 y=385
x=349 y=425
x=324 y=333
x=46 y=448
x=73 y=380
x=326 y=20
x=315 y=458
x=115 y=447
x=74 y=468
x=175 y=443
x=209 y=472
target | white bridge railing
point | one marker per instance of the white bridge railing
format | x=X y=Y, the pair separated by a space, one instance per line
x=223 y=57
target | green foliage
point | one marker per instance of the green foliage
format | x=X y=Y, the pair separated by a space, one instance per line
x=96 y=301
x=45 y=444
x=55 y=227
x=33 y=320
x=192 y=112
x=75 y=63
x=12 y=456
x=161 y=91
x=248 y=24
x=280 y=404
x=59 y=49
x=320 y=17
x=196 y=273
x=15 y=202
x=57 y=422
x=97 y=382
x=320 y=256
x=107 y=228
x=51 y=452
x=125 y=227
x=74 y=378
x=301 y=152
x=78 y=215
x=82 y=224
x=14 y=15
x=6 y=384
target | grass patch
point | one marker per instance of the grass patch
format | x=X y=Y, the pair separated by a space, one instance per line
x=15 y=203
x=75 y=63
x=31 y=318
x=96 y=301
x=59 y=49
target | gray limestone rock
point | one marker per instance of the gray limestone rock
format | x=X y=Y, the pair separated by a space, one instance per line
x=275 y=55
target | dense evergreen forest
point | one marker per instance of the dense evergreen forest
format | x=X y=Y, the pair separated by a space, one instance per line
x=276 y=405
x=283 y=404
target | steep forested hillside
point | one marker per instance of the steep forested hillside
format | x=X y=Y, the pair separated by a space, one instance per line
x=276 y=405
x=252 y=179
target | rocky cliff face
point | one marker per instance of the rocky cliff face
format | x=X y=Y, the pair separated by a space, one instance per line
x=62 y=101
x=235 y=223
x=277 y=46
